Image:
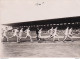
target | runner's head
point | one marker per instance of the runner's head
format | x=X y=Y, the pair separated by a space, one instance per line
x=67 y=27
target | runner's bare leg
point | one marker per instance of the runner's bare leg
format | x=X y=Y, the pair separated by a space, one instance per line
x=65 y=37
x=30 y=38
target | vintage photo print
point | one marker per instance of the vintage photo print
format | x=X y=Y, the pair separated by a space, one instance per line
x=39 y=28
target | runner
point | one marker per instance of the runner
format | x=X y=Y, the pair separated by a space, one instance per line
x=15 y=34
x=1 y=33
x=70 y=34
x=51 y=32
x=37 y=29
x=55 y=34
x=20 y=34
x=66 y=33
x=4 y=32
x=27 y=31
x=40 y=31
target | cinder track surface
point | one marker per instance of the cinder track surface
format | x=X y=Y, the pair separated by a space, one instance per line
x=35 y=49
x=44 y=49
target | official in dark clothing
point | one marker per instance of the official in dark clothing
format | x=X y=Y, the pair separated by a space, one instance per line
x=37 y=30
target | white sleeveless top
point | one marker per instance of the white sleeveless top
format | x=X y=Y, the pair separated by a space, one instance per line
x=51 y=31
x=70 y=31
x=20 y=33
x=55 y=31
x=28 y=32
x=15 y=32
x=5 y=32
x=66 y=31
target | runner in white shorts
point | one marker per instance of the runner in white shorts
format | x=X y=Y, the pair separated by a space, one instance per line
x=40 y=31
x=27 y=31
x=55 y=34
x=20 y=34
x=51 y=32
x=70 y=34
x=15 y=34
x=66 y=33
x=4 y=34
x=2 y=31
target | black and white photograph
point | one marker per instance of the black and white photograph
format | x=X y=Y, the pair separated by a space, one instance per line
x=40 y=28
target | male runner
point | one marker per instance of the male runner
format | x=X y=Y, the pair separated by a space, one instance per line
x=16 y=34
x=20 y=34
x=55 y=34
x=4 y=34
x=66 y=33
x=70 y=34
x=27 y=31
x=37 y=29
x=40 y=31
x=51 y=32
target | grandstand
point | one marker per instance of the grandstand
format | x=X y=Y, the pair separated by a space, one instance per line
x=61 y=23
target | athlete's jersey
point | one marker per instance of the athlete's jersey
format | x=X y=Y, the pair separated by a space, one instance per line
x=20 y=33
x=55 y=32
x=51 y=31
x=15 y=32
x=40 y=33
x=4 y=32
x=70 y=31
x=27 y=32
x=66 y=31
